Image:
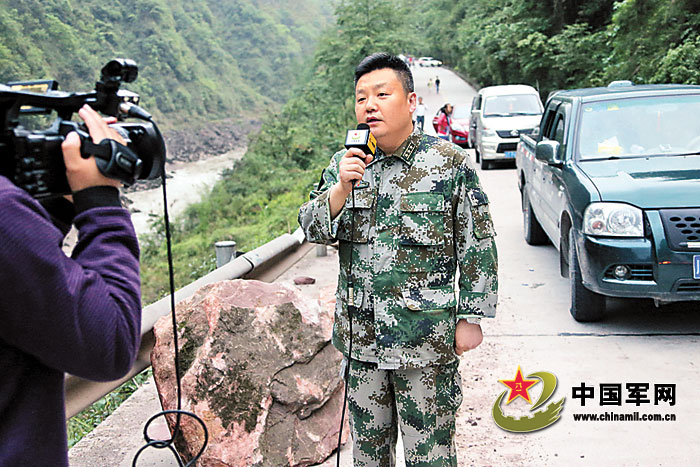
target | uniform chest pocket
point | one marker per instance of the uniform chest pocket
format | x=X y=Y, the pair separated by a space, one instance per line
x=422 y=219
x=362 y=212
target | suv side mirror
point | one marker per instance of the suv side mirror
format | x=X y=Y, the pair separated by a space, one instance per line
x=548 y=151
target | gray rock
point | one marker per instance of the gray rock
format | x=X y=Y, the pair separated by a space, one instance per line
x=257 y=365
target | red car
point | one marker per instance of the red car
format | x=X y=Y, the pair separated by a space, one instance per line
x=459 y=126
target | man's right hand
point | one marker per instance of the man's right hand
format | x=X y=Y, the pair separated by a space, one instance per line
x=83 y=173
x=352 y=168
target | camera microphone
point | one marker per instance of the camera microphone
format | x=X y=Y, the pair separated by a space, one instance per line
x=133 y=110
x=362 y=139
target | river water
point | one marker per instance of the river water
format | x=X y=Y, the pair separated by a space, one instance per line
x=190 y=181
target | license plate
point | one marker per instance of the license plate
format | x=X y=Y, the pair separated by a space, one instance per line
x=510 y=154
x=696 y=267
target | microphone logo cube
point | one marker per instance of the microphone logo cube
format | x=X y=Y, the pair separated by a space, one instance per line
x=361 y=139
x=357 y=137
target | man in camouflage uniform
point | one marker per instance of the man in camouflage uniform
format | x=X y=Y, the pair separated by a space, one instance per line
x=420 y=214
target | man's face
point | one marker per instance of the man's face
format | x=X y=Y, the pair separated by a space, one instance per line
x=382 y=103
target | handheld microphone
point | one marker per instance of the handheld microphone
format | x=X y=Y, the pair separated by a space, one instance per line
x=362 y=139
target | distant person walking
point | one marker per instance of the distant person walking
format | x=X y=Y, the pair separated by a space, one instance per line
x=430 y=84
x=444 y=122
x=437 y=84
x=421 y=108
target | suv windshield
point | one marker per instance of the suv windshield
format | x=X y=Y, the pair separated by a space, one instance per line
x=516 y=104
x=640 y=126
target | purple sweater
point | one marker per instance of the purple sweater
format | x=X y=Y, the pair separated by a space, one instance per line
x=80 y=315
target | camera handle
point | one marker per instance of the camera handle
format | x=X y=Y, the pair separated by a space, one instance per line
x=114 y=160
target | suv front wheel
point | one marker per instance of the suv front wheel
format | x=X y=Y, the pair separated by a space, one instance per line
x=586 y=306
x=532 y=229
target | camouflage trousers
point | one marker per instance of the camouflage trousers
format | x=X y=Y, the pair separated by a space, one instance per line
x=423 y=402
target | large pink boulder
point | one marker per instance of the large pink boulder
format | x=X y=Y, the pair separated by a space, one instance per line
x=258 y=367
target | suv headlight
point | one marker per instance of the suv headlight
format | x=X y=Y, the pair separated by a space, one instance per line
x=613 y=219
x=487 y=133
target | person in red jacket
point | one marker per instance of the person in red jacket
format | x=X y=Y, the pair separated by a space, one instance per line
x=444 y=122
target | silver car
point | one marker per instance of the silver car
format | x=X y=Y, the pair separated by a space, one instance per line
x=500 y=114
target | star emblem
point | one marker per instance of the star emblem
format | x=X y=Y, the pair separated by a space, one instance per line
x=518 y=387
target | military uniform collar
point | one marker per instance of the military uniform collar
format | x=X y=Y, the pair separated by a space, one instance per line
x=407 y=150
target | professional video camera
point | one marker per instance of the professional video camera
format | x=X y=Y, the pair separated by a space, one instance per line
x=33 y=160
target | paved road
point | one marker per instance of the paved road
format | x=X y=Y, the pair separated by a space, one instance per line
x=453 y=90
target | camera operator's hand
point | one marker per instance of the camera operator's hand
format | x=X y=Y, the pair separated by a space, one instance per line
x=83 y=173
x=351 y=169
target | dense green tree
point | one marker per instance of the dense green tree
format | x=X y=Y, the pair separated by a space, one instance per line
x=555 y=44
x=199 y=60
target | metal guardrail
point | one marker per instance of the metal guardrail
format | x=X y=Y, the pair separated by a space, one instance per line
x=81 y=393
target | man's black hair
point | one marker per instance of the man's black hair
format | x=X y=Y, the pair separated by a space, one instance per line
x=380 y=60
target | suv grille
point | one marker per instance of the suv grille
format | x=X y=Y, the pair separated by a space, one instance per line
x=681 y=226
x=638 y=272
x=503 y=147
x=508 y=134
x=688 y=286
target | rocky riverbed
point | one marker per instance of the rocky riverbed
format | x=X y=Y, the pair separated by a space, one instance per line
x=187 y=182
x=196 y=160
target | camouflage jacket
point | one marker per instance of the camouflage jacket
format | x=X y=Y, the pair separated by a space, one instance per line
x=419 y=214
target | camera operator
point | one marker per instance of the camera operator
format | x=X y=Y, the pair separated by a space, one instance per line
x=79 y=315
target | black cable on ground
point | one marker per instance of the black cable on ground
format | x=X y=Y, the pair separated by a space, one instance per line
x=169 y=443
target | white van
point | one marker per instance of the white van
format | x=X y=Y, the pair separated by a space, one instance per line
x=500 y=114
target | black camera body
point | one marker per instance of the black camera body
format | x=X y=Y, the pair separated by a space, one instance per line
x=33 y=160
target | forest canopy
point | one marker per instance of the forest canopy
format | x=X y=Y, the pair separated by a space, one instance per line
x=199 y=60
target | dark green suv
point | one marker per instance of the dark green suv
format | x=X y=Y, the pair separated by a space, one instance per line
x=613 y=181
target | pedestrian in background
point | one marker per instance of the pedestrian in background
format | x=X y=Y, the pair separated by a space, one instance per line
x=444 y=122
x=430 y=84
x=421 y=108
x=437 y=84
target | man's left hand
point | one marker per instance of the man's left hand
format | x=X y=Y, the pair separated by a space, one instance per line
x=467 y=336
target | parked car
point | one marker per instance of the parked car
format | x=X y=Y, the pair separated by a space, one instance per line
x=459 y=125
x=429 y=61
x=612 y=181
x=499 y=115
x=459 y=128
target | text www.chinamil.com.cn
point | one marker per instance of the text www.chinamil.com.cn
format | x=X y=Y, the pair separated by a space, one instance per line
x=624 y=417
